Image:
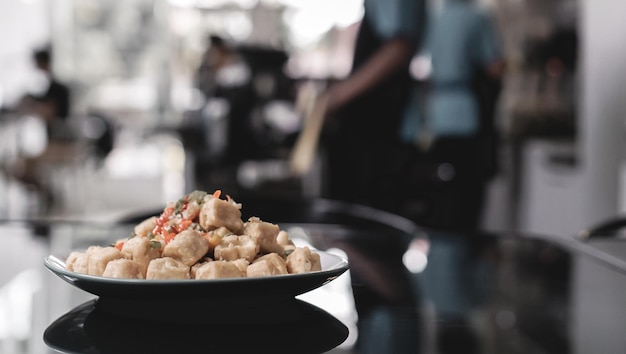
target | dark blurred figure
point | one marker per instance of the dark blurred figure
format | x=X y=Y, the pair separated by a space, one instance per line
x=365 y=109
x=207 y=133
x=452 y=140
x=53 y=107
x=218 y=56
x=243 y=85
x=363 y=118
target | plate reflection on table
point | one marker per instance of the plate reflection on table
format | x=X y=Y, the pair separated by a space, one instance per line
x=293 y=326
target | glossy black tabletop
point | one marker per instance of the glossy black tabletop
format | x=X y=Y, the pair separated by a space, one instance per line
x=408 y=290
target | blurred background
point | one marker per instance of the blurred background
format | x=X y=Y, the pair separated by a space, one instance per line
x=162 y=97
x=170 y=96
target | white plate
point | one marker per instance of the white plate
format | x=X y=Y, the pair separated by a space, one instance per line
x=261 y=289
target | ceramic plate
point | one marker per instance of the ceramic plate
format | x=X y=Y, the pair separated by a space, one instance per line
x=236 y=289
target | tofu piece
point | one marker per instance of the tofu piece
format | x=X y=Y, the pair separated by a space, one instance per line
x=219 y=270
x=78 y=262
x=303 y=260
x=199 y=264
x=216 y=213
x=242 y=264
x=98 y=259
x=167 y=268
x=124 y=268
x=216 y=236
x=188 y=247
x=267 y=265
x=141 y=250
x=265 y=233
x=285 y=241
x=283 y=238
x=146 y=226
x=234 y=247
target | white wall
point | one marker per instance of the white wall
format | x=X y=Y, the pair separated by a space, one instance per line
x=24 y=25
x=558 y=201
x=603 y=106
x=552 y=194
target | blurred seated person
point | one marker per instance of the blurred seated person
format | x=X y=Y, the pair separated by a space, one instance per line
x=52 y=106
x=452 y=137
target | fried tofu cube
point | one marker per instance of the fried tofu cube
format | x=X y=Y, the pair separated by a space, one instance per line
x=78 y=262
x=200 y=263
x=188 y=247
x=234 y=247
x=303 y=260
x=167 y=268
x=215 y=236
x=218 y=270
x=216 y=213
x=146 y=226
x=99 y=257
x=124 y=268
x=242 y=264
x=141 y=250
x=285 y=241
x=283 y=238
x=265 y=233
x=267 y=265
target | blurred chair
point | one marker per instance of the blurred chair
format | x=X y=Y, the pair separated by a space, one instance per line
x=93 y=138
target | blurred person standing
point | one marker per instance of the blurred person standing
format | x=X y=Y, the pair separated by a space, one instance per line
x=453 y=138
x=364 y=112
x=365 y=109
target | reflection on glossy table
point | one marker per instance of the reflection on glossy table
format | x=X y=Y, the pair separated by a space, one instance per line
x=413 y=290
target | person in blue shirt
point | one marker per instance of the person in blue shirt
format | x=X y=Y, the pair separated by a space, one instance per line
x=461 y=38
x=365 y=109
x=453 y=134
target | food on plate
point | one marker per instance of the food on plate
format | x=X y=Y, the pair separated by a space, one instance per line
x=233 y=247
x=265 y=234
x=199 y=236
x=188 y=247
x=100 y=257
x=302 y=260
x=219 y=269
x=167 y=268
x=140 y=250
x=124 y=268
x=269 y=264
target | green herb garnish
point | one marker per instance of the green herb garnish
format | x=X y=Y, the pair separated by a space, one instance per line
x=196 y=196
